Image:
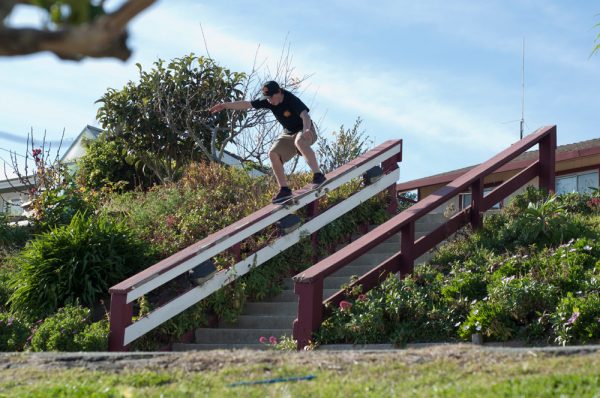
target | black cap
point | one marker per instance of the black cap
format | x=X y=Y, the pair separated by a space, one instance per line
x=269 y=88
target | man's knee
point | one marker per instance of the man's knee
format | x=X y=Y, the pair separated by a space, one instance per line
x=275 y=157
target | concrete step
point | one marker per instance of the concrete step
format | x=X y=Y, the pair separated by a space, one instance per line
x=236 y=336
x=206 y=347
x=350 y=270
x=386 y=247
x=289 y=295
x=331 y=282
x=260 y=322
x=271 y=308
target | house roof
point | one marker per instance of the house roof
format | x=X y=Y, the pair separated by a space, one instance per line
x=94 y=131
x=563 y=152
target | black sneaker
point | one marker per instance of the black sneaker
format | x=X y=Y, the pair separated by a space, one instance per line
x=318 y=178
x=284 y=194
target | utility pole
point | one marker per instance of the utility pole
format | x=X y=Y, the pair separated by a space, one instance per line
x=523 y=91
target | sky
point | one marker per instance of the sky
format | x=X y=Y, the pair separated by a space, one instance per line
x=443 y=76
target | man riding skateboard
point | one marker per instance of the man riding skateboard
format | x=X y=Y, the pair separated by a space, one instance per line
x=298 y=134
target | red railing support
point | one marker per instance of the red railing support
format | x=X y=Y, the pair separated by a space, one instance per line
x=407 y=246
x=121 y=315
x=310 y=310
x=477 y=204
x=388 y=166
x=547 y=156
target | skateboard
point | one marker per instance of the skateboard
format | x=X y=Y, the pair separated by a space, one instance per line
x=294 y=200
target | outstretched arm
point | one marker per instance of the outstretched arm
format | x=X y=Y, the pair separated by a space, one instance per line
x=306 y=122
x=235 y=105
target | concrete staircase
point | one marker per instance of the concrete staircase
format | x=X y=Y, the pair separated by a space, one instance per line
x=275 y=317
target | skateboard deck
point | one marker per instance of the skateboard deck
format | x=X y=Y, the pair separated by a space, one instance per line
x=297 y=195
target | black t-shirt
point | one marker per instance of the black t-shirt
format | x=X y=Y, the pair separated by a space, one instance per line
x=287 y=112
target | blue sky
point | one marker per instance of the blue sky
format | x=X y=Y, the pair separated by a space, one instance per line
x=443 y=76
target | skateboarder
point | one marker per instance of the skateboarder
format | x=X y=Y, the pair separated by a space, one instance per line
x=298 y=134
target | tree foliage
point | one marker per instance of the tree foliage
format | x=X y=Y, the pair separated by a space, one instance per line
x=106 y=164
x=163 y=119
x=74 y=29
x=346 y=145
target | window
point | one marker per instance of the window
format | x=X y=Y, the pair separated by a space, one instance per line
x=465 y=199
x=580 y=182
x=14 y=207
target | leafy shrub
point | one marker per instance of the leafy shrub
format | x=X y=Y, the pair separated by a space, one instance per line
x=397 y=312
x=522 y=298
x=94 y=337
x=13 y=332
x=12 y=237
x=577 y=319
x=208 y=198
x=465 y=284
x=567 y=266
x=106 y=164
x=79 y=261
x=67 y=330
x=490 y=320
x=576 y=203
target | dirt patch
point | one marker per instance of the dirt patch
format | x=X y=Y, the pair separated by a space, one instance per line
x=322 y=359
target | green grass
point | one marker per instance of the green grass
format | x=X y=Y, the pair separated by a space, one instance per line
x=468 y=375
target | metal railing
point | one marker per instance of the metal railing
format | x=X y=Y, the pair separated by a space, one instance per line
x=123 y=330
x=308 y=285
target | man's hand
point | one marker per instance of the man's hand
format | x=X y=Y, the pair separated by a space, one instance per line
x=217 y=108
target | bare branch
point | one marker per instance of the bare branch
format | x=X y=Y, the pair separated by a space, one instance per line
x=105 y=36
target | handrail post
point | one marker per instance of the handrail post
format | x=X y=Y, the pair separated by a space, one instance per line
x=310 y=310
x=407 y=244
x=121 y=315
x=547 y=156
x=313 y=211
x=388 y=166
x=476 y=204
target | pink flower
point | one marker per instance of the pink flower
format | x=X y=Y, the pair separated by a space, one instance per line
x=262 y=340
x=170 y=221
x=362 y=297
x=573 y=318
x=345 y=305
x=273 y=340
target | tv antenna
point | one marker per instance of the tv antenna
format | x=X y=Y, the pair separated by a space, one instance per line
x=522 y=123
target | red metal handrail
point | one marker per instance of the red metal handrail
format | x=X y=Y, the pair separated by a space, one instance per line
x=122 y=294
x=308 y=285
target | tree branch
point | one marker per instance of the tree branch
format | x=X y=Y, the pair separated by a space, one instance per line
x=106 y=36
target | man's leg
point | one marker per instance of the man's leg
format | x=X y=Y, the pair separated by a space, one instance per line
x=303 y=142
x=283 y=149
x=277 y=165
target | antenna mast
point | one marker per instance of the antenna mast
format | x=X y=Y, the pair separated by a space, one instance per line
x=523 y=91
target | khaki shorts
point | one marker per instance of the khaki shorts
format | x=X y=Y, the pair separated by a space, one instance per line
x=285 y=145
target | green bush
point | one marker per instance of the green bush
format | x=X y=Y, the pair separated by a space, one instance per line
x=396 y=312
x=567 y=266
x=75 y=262
x=577 y=319
x=490 y=320
x=13 y=332
x=7 y=271
x=522 y=298
x=70 y=329
x=12 y=237
x=94 y=337
x=106 y=164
